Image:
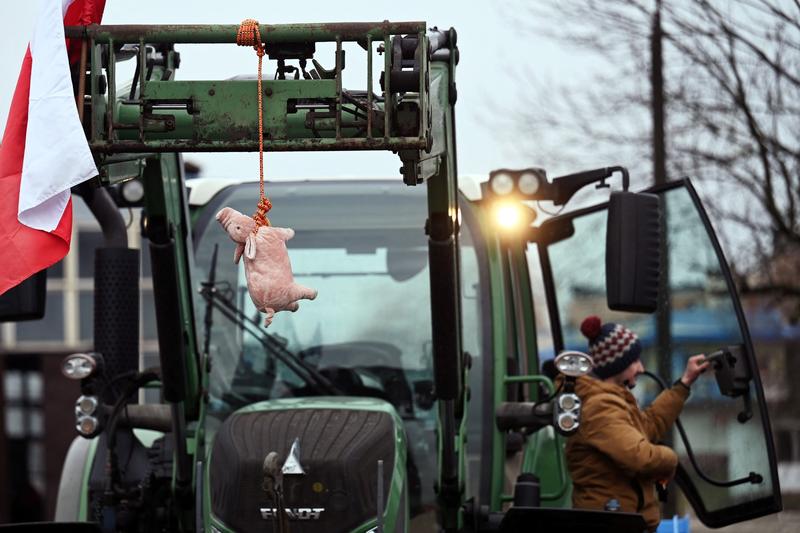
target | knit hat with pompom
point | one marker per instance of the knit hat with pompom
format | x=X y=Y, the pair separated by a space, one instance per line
x=613 y=347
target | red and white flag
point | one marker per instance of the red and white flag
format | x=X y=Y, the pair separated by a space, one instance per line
x=44 y=151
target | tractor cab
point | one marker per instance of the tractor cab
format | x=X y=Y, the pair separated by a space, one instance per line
x=727 y=468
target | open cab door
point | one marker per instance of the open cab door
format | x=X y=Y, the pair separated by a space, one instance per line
x=727 y=466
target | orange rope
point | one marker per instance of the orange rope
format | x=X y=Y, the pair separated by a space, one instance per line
x=250 y=35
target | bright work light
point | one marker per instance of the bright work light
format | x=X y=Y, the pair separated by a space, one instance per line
x=512 y=216
x=508 y=215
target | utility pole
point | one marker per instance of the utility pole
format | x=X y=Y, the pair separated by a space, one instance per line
x=657 y=85
x=664 y=314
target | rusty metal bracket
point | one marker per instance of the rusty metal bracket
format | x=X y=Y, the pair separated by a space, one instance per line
x=312 y=113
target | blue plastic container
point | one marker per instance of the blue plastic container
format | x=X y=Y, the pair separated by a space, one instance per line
x=676 y=524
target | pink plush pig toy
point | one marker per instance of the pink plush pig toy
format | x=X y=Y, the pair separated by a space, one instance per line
x=266 y=263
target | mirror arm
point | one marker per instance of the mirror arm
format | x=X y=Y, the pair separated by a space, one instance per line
x=565 y=187
x=747 y=412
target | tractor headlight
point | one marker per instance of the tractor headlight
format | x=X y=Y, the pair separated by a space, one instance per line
x=567 y=422
x=88 y=416
x=567 y=413
x=86 y=405
x=568 y=402
x=80 y=365
x=87 y=425
x=574 y=364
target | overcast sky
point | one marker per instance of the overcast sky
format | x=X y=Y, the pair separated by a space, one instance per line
x=489 y=52
x=494 y=55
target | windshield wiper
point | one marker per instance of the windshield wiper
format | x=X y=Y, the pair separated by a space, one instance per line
x=209 y=285
x=303 y=370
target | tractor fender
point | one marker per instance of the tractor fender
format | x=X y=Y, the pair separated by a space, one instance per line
x=70 y=488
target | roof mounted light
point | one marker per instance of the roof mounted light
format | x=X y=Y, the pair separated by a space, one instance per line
x=574 y=363
x=502 y=184
x=81 y=365
x=530 y=182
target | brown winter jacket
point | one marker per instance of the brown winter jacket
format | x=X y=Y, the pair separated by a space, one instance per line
x=613 y=454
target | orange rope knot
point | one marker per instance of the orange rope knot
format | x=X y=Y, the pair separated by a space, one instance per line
x=249 y=34
x=260 y=216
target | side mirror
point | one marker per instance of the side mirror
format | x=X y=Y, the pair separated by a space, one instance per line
x=26 y=300
x=633 y=251
x=731 y=371
x=733 y=377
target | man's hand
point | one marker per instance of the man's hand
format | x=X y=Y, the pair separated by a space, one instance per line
x=695 y=366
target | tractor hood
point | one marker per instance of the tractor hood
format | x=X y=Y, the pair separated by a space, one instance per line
x=324 y=453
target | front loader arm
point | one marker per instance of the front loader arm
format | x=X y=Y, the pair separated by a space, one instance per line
x=443 y=253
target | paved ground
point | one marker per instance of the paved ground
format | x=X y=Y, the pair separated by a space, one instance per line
x=785 y=522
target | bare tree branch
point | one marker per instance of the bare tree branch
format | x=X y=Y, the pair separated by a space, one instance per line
x=733 y=118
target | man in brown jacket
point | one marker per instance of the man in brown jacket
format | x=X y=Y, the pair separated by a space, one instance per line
x=615 y=455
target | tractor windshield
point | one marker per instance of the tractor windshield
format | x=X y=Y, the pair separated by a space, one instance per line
x=362 y=246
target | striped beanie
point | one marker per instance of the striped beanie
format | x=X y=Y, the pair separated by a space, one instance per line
x=613 y=347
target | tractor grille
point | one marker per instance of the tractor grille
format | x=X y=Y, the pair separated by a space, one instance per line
x=339 y=451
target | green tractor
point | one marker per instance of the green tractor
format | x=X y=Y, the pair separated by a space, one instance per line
x=416 y=393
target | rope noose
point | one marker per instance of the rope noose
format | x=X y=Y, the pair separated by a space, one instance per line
x=250 y=35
